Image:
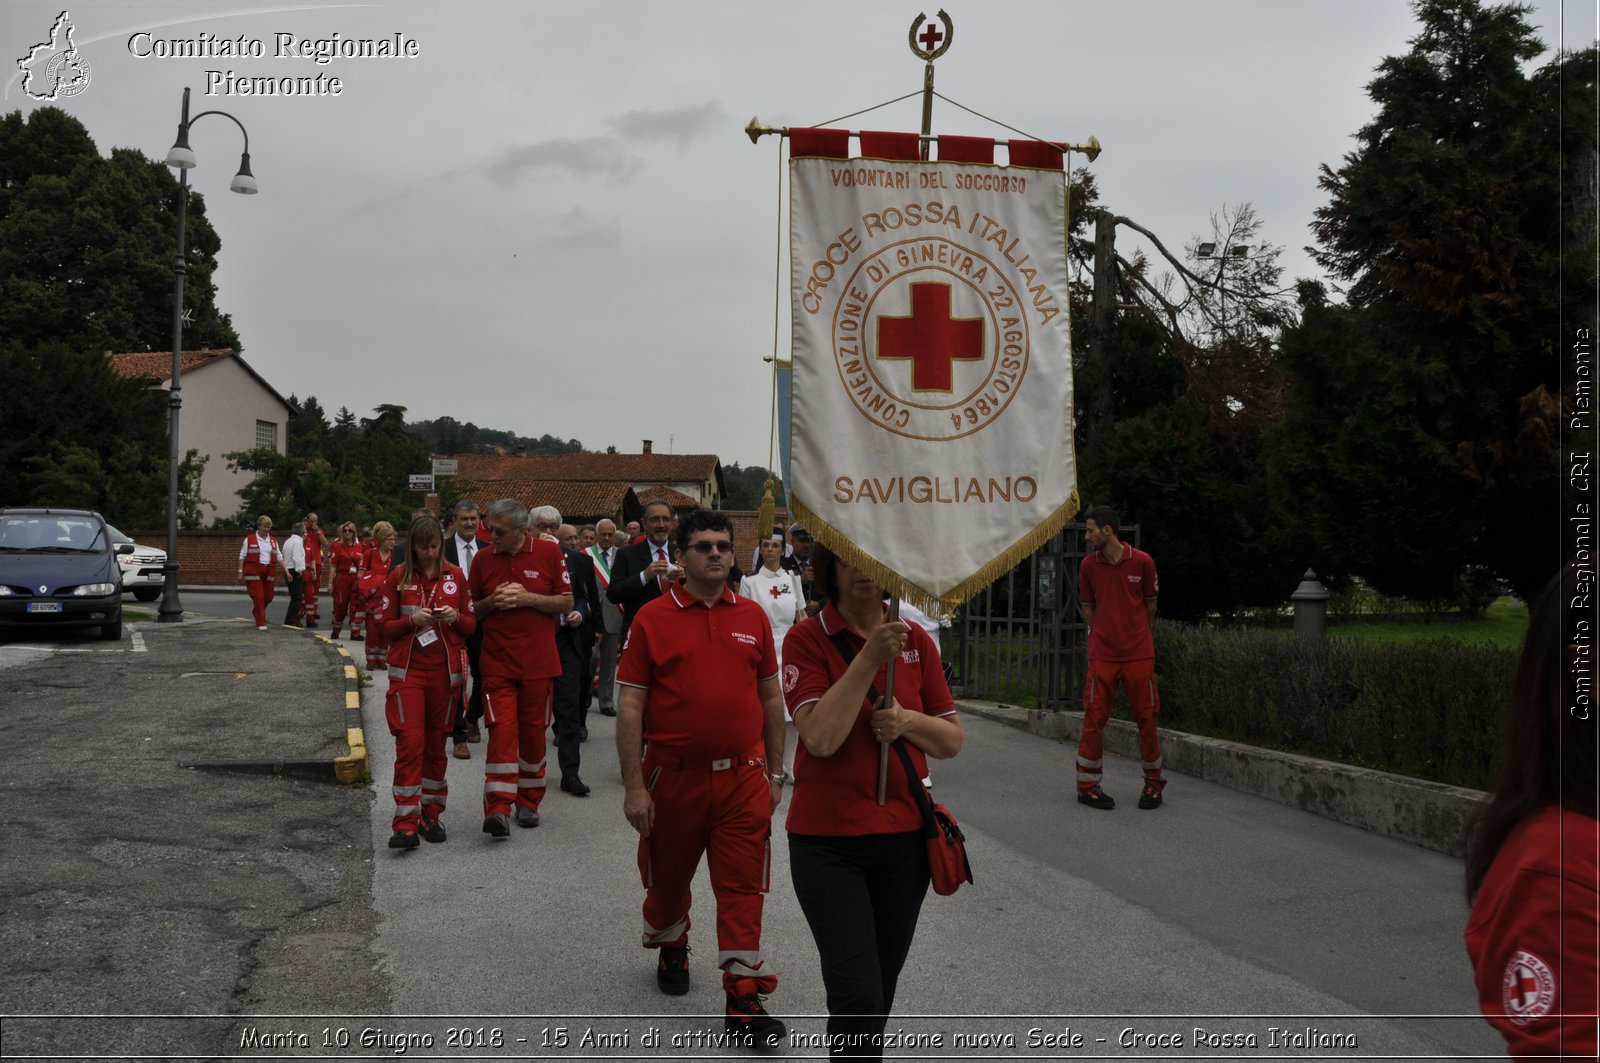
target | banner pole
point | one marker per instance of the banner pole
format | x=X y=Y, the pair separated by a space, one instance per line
x=888 y=697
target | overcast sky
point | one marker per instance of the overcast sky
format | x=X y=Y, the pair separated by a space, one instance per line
x=552 y=221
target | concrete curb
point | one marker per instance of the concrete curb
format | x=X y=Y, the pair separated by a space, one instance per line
x=1427 y=814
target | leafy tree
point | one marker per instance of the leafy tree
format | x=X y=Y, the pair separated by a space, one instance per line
x=1422 y=437
x=86 y=244
x=745 y=486
x=77 y=434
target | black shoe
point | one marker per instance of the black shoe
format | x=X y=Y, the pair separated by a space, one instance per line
x=608 y=711
x=355 y=638
x=497 y=825
x=310 y=624
x=527 y=817
x=431 y=830
x=672 y=970
x=1095 y=797
x=746 y=1017
x=575 y=786
x=403 y=839
x=1150 y=797
x=583 y=734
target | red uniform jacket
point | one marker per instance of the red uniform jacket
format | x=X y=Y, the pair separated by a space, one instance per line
x=449 y=588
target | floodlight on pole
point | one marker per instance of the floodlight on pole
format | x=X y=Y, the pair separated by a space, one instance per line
x=181 y=158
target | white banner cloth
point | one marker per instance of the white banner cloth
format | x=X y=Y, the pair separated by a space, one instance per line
x=932 y=408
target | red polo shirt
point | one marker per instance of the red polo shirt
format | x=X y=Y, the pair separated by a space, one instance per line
x=520 y=643
x=838 y=795
x=701 y=665
x=1118 y=592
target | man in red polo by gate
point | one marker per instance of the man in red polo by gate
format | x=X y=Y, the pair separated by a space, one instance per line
x=518 y=590
x=700 y=737
x=1117 y=585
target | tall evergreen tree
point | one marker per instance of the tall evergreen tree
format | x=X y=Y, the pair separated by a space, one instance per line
x=1422 y=438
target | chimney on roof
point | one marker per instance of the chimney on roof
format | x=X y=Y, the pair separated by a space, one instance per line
x=647 y=444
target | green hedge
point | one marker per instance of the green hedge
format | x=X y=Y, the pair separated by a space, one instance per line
x=1434 y=710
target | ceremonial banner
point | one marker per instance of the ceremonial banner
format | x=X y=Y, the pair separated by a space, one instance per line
x=932 y=389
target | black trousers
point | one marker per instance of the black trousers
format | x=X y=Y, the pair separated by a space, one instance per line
x=862 y=896
x=470 y=708
x=297 y=590
x=568 y=717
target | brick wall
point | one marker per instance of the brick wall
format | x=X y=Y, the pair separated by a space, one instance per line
x=205 y=558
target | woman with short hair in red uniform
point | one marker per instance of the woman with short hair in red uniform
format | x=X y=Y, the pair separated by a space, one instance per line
x=344 y=558
x=1533 y=876
x=257 y=558
x=426 y=633
x=374 y=589
x=860 y=870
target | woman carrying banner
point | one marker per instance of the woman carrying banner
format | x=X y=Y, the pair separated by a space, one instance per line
x=374 y=592
x=1531 y=855
x=257 y=558
x=860 y=870
x=344 y=559
x=426 y=635
x=778 y=593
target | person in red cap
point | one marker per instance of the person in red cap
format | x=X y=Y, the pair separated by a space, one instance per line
x=700 y=738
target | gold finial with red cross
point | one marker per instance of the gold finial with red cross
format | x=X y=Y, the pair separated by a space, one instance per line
x=933 y=41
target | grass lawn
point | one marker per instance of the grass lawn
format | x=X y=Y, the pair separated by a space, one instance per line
x=1503 y=627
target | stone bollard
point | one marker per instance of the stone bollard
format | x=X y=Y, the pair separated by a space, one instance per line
x=1311 y=610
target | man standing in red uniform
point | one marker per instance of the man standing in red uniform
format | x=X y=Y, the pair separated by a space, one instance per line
x=518 y=590
x=700 y=738
x=1117 y=585
x=316 y=541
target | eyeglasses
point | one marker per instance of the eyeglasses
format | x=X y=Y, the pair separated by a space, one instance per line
x=545 y=525
x=721 y=547
x=498 y=532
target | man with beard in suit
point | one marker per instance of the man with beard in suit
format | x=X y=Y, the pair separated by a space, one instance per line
x=460 y=547
x=642 y=570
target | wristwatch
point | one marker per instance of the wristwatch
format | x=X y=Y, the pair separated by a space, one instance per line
x=776 y=776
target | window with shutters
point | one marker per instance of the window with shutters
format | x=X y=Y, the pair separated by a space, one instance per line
x=266 y=435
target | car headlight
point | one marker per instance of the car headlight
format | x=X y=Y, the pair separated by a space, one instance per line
x=94 y=590
x=5 y=592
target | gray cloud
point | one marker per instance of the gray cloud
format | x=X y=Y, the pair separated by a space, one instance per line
x=589 y=157
x=681 y=125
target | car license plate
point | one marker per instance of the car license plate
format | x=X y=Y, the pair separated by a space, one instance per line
x=44 y=607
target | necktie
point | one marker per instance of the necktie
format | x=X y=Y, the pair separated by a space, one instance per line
x=472 y=548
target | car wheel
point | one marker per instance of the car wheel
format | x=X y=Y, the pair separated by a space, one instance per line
x=112 y=632
x=147 y=594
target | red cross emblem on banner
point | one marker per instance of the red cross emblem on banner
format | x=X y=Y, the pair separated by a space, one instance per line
x=931 y=338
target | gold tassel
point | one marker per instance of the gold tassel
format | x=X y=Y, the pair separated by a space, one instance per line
x=765 y=513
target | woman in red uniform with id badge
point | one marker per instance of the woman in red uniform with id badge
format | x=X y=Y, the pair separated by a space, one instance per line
x=426 y=635
x=373 y=589
x=344 y=558
x=259 y=563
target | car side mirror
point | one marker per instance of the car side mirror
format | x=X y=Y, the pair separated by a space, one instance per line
x=125 y=548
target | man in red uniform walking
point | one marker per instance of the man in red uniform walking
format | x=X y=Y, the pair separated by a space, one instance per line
x=1117 y=585
x=700 y=737
x=518 y=590
x=316 y=543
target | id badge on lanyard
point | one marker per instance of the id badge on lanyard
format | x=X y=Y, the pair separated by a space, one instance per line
x=430 y=635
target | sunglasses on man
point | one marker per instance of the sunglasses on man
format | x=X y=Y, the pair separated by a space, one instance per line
x=722 y=546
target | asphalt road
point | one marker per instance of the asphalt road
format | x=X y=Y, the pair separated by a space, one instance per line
x=1125 y=932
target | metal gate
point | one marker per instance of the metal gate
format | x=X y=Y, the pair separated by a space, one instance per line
x=1023 y=641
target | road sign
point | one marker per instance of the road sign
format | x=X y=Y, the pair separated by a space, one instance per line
x=422 y=481
x=445 y=466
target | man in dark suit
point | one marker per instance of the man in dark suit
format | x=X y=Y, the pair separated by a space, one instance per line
x=604 y=554
x=460 y=546
x=574 y=628
x=642 y=570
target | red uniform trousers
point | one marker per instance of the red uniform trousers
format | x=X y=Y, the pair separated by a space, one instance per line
x=311 y=581
x=517 y=712
x=260 y=588
x=418 y=710
x=344 y=591
x=727 y=815
x=1144 y=700
x=377 y=645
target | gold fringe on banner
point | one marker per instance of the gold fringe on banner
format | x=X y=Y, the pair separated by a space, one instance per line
x=897 y=585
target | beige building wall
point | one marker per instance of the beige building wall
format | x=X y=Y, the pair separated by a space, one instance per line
x=221 y=405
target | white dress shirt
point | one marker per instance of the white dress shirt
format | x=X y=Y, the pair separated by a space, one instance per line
x=294 y=554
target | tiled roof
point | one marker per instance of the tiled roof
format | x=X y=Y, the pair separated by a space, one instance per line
x=576 y=501
x=157 y=365
x=634 y=468
x=675 y=499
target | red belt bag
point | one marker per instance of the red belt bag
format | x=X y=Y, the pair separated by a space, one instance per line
x=947 y=846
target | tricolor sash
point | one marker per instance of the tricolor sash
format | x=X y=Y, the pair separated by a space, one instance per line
x=602 y=568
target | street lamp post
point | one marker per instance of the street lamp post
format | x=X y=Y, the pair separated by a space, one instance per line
x=180 y=157
x=1223 y=256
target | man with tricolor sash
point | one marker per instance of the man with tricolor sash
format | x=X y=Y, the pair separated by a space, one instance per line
x=602 y=553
